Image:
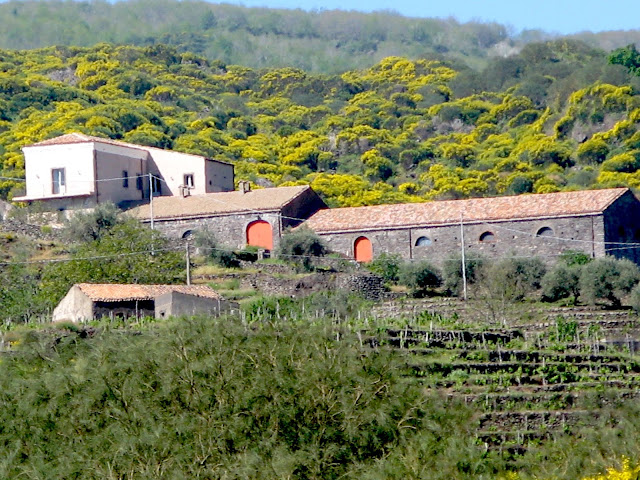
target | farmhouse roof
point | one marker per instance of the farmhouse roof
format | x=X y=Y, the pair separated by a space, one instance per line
x=107 y=292
x=221 y=203
x=71 y=138
x=75 y=137
x=382 y=217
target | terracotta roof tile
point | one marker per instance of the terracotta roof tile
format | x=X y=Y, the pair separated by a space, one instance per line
x=261 y=200
x=107 y=292
x=73 y=138
x=381 y=217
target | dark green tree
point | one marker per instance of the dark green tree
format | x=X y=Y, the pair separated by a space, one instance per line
x=421 y=277
x=608 y=279
x=628 y=57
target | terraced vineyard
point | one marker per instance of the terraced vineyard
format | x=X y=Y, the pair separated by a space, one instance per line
x=543 y=375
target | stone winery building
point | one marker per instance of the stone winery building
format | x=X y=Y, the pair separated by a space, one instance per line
x=236 y=219
x=179 y=194
x=596 y=222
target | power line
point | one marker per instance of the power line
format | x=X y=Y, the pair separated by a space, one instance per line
x=95 y=257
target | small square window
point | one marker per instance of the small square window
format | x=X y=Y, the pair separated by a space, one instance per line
x=125 y=179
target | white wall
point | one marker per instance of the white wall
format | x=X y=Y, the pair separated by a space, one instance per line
x=74 y=307
x=94 y=171
x=79 y=173
x=172 y=166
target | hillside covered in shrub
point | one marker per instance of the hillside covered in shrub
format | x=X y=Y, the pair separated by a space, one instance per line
x=560 y=115
x=206 y=398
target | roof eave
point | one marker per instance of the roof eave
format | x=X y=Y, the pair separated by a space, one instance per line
x=207 y=215
x=377 y=228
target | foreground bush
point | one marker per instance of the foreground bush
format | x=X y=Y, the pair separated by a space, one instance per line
x=387 y=265
x=608 y=279
x=420 y=277
x=452 y=273
x=204 y=399
x=512 y=278
x=562 y=281
x=300 y=246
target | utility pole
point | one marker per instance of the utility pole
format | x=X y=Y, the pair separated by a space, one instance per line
x=464 y=263
x=188 y=259
x=151 y=198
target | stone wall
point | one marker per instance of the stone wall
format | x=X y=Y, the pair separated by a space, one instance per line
x=369 y=286
x=544 y=238
x=28 y=230
x=228 y=230
x=231 y=230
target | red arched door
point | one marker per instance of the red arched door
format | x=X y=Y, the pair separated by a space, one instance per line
x=363 y=250
x=260 y=234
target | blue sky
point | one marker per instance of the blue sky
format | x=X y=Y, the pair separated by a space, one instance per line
x=562 y=16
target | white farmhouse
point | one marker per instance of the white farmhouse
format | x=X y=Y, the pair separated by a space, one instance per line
x=80 y=171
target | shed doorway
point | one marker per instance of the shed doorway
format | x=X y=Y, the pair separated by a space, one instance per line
x=260 y=234
x=363 y=250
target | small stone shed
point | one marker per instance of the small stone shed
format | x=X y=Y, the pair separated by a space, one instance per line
x=88 y=301
x=236 y=219
x=596 y=222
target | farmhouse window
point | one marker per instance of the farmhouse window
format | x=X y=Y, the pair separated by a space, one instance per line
x=188 y=180
x=156 y=186
x=487 y=237
x=423 y=242
x=139 y=182
x=125 y=179
x=58 y=180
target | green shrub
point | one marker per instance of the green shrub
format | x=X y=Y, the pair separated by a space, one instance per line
x=561 y=282
x=634 y=298
x=452 y=273
x=387 y=265
x=627 y=162
x=217 y=255
x=594 y=150
x=300 y=245
x=574 y=257
x=513 y=278
x=420 y=277
x=608 y=279
x=88 y=226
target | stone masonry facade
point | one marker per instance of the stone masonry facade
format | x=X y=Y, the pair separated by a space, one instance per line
x=610 y=225
x=228 y=230
x=499 y=239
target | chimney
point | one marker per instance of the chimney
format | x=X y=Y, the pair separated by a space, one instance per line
x=245 y=186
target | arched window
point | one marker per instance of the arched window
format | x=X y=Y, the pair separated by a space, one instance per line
x=188 y=235
x=363 y=250
x=487 y=237
x=545 y=232
x=260 y=234
x=423 y=242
